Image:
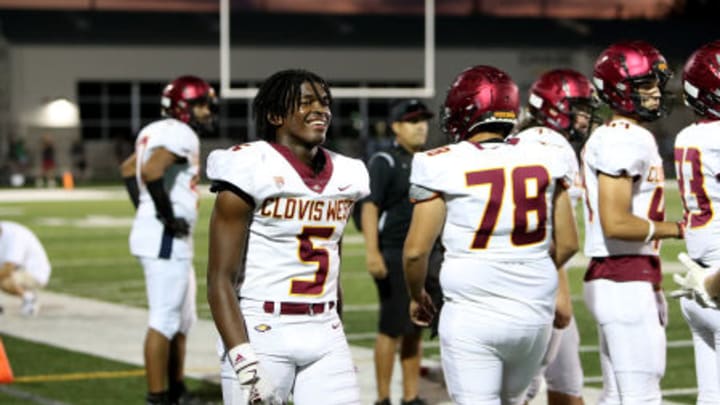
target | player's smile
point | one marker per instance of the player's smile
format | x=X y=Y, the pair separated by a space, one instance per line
x=319 y=122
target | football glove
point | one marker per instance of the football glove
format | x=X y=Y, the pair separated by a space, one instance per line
x=692 y=285
x=178 y=227
x=251 y=376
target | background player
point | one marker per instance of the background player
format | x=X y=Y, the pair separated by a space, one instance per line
x=560 y=106
x=385 y=221
x=280 y=212
x=24 y=265
x=624 y=213
x=161 y=177
x=498 y=206
x=697 y=163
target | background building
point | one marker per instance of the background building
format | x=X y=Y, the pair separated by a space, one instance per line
x=92 y=70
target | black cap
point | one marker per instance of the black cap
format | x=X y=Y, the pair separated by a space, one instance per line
x=410 y=110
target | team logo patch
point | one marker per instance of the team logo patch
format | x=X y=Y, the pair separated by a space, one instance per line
x=279 y=181
x=262 y=328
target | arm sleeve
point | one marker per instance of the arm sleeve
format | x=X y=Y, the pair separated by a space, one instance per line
x=621 y=155
x=234 y=167
x=363 y=182
x=425 y=172
x=181 y=141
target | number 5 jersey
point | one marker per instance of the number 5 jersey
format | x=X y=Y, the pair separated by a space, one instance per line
x=293 y=247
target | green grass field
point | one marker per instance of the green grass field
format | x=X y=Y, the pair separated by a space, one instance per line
x=106 y=271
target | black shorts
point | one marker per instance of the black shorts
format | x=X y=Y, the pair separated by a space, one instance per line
x=394 y=300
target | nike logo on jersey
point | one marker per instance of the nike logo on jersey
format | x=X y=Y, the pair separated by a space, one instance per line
x=343 y=188
x=335 y=325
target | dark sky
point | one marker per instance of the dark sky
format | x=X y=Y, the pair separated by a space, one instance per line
x=602 y=9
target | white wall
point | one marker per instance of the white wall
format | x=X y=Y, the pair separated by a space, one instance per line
x=43 y=72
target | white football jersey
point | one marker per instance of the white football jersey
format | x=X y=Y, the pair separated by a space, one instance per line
x=146 y=237
x=294 y=238
x=552 y=138
x=498 y=198
x=697 y=164
x=20 y=246
x=621 y=147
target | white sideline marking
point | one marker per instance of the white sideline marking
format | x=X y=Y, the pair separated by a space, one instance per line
x=20 y=394
x=90 y=221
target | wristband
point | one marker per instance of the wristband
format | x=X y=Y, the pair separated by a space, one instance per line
x=651 y=231
x=242 y=357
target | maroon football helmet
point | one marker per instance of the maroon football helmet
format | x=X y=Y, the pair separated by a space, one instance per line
x=622 y=68
x=701 y=81
x=557 y=96
x=181 y=94
x=480 y=95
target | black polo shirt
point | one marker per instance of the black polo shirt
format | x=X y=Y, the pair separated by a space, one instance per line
x=389 y=184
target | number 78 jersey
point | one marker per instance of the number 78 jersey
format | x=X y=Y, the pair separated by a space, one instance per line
x=697 y=163
x=498 y=197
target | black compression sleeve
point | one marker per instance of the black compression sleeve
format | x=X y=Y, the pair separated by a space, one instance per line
x=163 y=206
x=132 y=189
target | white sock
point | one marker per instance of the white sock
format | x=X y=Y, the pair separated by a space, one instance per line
x=28 y=296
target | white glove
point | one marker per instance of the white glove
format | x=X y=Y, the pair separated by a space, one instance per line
x=251 y=376
x=693 y=284
x=662 y=307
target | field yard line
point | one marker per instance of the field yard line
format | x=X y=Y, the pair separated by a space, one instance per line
x=34 y=398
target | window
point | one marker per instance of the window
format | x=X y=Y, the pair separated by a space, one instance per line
x=118 y=109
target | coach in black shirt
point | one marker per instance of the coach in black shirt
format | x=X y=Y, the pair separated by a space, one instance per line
x=386 y=215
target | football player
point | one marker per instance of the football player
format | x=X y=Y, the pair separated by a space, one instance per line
x=560 y=106
x=24 y=265
x=624 y=222
x=697 y=163
x=161 y=177
x=273 y=271
x=498 y=205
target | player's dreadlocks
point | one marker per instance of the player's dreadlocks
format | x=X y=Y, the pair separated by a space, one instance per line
x=279 y=95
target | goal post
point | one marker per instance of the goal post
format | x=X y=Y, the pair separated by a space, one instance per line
x=426 y=91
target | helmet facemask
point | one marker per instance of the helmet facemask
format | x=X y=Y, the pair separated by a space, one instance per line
x=701 y=81
x=704 y=103
x=581 y=106
x=665 y=98
x=208 y=125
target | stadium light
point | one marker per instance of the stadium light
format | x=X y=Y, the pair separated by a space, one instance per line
x=59 y=113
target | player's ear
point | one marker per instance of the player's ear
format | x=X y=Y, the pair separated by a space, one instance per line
x=275 y=120
x=395 y=126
